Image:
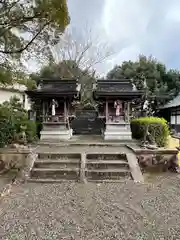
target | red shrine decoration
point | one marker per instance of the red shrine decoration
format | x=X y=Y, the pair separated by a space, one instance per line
x=118 y=107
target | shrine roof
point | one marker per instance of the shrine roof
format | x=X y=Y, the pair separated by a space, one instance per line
x=55 y=87
x=116 y=88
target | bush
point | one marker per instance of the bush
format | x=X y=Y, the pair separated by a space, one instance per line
x=14 y=120
x=30 y=130
x=158 y=128
x=7 y=132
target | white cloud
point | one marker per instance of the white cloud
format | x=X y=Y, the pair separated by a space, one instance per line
x=143 y=27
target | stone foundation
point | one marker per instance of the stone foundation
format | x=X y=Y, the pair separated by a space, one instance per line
x=55 y=131
x=117 y=131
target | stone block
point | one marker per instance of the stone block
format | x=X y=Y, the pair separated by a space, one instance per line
x=117 y=131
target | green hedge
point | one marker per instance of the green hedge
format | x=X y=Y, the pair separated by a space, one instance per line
x=158 y=128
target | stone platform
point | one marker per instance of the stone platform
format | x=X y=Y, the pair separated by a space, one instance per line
x=117 y=131
x=55 y=131
x=87 y=141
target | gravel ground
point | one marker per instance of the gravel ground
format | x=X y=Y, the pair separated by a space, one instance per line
x=93 y=211
x=6 y=179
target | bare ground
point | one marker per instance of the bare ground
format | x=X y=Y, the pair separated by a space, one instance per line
x=93 y=211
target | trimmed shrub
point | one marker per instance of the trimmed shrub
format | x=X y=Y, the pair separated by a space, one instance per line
x=158 y=128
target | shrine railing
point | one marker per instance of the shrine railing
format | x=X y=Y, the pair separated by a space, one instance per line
x=57 y=118
x=113 y=117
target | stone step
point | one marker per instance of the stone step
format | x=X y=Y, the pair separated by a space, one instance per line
x=110 y=174
x=58 y=156
x=48 y=123
x=78 y=143
x=120 y=180
x=119 y=130
x=48 y=180
x=121 y=122
x=57 y=161
x=125 y=137
x=69 y=163
x=125 y=133
x=114 y=162
x=107 y=164
x=48 y=129
x=55 y=170
x=106 y=157
x=58 y=132
x=109 y=170
x=118 y=127
x=65 y=173
x=56 y=138
x=54 y=125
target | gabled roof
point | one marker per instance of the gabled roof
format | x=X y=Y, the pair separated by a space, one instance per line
x=173 y=103
x=56 y=88
x=116 y=88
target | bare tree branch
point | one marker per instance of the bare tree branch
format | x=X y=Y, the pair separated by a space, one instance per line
x=86 y=54
x=27 y=45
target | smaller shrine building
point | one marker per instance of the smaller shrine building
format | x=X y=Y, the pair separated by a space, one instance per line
x=115 y=98
x=54 y=98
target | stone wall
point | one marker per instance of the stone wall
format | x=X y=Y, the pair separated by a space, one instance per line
x=157 y=160
x=21 y=160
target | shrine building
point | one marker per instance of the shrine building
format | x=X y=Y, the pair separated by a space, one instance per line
x=61 y=118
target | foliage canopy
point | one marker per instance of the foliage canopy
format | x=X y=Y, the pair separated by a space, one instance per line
x=162 y=84
x=39 y=19
x=28 y=28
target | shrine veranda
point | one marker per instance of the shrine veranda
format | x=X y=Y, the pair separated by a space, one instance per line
x=62 y=118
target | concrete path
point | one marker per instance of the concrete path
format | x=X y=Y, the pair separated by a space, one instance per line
x=84 y=149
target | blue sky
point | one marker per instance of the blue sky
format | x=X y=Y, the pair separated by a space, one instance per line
x=131 y=27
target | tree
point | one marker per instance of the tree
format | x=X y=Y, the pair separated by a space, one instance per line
x=162 y=85
x=27 y=27
x=75 y=58
x=63 y=70
x=85 y=52
x=69 y=70
x=41 y=19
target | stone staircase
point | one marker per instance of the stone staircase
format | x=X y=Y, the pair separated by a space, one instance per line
x=93 y=167
x=107 y=167
x=56 y=167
